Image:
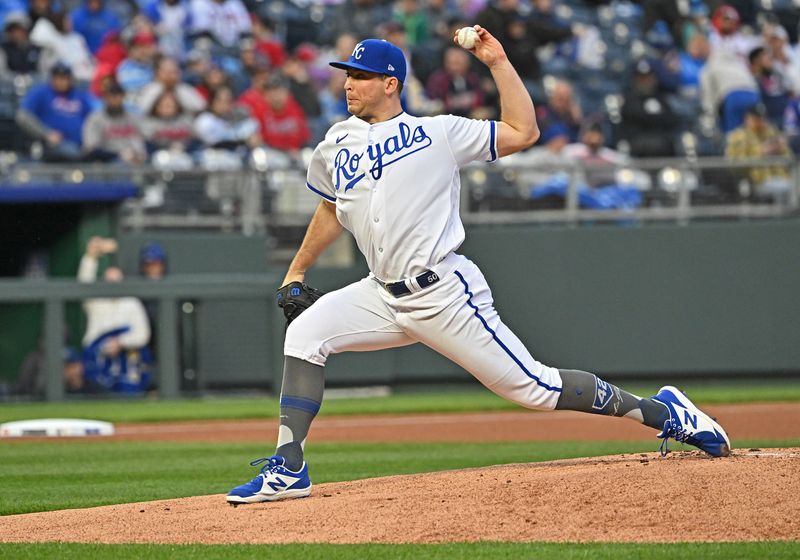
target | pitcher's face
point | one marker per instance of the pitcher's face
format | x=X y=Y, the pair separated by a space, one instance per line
x=366 y=92
x=363 y=90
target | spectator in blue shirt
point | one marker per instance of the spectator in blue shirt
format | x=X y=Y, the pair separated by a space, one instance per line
x=562 y=110
x=333 y=100
x=93 y=20
x=137 y=71
x=665 y=59
x=692 y=62
x=54 y=112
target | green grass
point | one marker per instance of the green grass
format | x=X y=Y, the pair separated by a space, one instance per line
x=419 y=402
x=42 y=476
x=778 y=550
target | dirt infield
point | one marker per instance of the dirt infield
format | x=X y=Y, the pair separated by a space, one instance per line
x=743 y=421
x=686 y=496
x=631 y=498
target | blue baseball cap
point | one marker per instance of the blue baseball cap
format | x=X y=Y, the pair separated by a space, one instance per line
x=61 y=68
x=71 y=355
x=377 y=56
x=151 y=252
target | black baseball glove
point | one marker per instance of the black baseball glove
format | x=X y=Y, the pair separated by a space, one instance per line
x=296 y=297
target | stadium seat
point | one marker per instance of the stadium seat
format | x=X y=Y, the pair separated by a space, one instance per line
x=577 y=13
x=687 y=109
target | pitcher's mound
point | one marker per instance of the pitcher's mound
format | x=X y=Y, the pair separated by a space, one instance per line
x=636 y=498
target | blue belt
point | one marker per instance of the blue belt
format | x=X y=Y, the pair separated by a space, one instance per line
x=397 y=289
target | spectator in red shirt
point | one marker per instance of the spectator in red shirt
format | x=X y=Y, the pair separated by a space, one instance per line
x=456 y=86
x=283 y=124
x=253 y=97
x=266 y=42
x=109 y=56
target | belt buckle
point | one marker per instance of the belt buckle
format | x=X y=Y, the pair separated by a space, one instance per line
x=387 y=286
x=400 y=286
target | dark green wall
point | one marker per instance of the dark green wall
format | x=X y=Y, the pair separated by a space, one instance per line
x=198 y=252
x=232 y=338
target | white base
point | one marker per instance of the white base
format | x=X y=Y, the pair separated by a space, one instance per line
x=56 y=427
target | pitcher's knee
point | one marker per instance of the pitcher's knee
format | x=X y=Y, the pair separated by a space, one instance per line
x=304 y=341
x=540 y=391
x=538 y=399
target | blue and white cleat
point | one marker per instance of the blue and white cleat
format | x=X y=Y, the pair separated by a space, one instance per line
x=689 y=424
x=275 y=482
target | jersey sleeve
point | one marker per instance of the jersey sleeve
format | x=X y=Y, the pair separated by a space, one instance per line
x=318 y=178
x=471 y=140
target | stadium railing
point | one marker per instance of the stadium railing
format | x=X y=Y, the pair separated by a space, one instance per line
x=272 y=198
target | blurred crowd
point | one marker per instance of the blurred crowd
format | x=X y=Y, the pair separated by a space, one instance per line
x=187 y=82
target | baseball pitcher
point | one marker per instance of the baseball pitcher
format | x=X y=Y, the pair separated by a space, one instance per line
x=392 y=180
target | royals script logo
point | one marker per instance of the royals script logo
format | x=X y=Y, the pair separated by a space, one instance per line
x=379 y=156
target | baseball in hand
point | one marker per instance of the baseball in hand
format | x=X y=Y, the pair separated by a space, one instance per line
x=466 y=37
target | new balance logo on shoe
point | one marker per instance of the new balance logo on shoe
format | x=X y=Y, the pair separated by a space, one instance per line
x=277 y=483
x=698 y=423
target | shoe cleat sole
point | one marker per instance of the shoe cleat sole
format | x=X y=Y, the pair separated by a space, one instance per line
x=261 y=498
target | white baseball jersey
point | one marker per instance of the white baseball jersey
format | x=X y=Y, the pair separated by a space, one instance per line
x=396 y=187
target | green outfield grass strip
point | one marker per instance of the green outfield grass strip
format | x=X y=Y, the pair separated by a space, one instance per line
x=422 y=402
x=774 y=550
x=47 y=475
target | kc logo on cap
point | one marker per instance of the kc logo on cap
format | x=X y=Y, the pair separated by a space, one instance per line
x=377 y=56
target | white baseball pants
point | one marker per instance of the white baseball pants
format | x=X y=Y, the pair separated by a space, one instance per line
x=454 y=317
